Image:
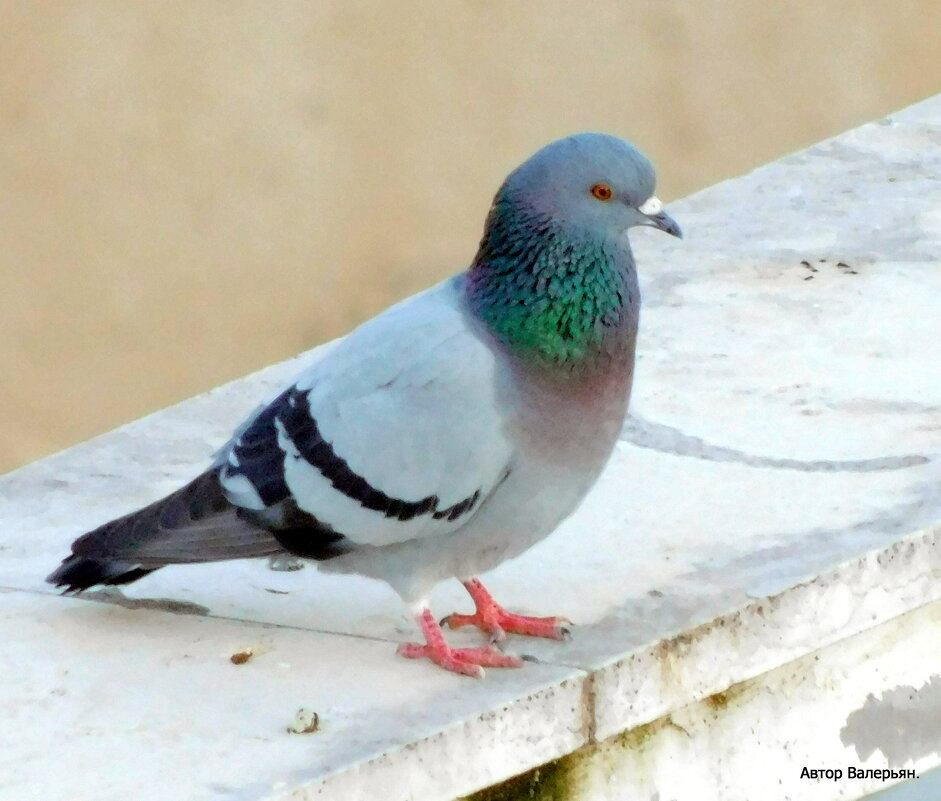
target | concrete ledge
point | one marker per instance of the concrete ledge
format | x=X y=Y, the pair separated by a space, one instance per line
x=768 y=524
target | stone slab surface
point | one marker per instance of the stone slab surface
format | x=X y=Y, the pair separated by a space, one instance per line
x=102 y=701
x=784 y=439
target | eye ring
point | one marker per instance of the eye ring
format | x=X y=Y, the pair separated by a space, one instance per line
x=602 y=191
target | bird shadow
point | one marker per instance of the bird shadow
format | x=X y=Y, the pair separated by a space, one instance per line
x=118 y=598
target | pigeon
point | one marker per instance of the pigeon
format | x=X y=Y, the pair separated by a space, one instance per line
x=451 y=432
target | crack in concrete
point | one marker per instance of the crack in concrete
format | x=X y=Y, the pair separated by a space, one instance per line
x=667 y=439
x=114 y=596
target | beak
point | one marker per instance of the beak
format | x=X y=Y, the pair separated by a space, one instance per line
x=665 y=223
x=652 y=209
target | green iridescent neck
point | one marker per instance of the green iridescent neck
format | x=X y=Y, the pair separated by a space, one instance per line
x=552 y=297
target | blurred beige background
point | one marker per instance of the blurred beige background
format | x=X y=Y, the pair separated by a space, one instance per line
x=192 y=190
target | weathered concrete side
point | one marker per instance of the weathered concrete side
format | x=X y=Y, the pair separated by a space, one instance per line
x=866 y=702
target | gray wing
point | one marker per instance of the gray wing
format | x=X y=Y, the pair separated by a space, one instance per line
x=398 y=433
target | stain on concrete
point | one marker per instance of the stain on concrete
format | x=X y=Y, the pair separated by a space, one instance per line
x=667 y=439
x=904 y=724
x=719 y=702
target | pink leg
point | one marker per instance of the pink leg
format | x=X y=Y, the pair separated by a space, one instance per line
x=494 y=619
x=467 y=661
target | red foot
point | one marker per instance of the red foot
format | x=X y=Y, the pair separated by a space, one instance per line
x=467 y=661
x=495 y=620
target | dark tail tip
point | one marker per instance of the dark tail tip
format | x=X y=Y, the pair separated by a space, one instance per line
x=77 y=573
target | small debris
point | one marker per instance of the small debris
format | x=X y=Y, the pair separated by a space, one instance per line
x=808 y=278
x=847 y=268
x=276 y=592
x=241 y=657
x=305 y=722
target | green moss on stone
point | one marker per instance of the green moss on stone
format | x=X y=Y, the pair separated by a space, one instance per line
x=553 y=781
x=635 y=739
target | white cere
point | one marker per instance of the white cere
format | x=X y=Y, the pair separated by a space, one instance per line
x=651 y=205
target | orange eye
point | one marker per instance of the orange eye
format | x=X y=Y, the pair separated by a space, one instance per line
x=602 y=191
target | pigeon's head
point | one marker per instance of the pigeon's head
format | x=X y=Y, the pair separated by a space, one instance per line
x=554 y=277
x=588 y=183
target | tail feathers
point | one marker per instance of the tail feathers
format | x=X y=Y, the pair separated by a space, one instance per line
x=76 y=573
x=195 y=524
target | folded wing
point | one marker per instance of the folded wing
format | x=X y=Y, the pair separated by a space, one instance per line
x=398 y=433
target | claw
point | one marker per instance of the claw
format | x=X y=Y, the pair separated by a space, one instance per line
x=494 y=619
x=465 y=661
x=449 y=660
